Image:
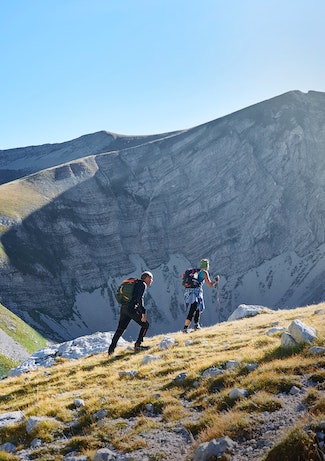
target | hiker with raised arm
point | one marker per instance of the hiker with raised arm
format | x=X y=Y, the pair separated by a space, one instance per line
x=131 y=296
x=193 y=281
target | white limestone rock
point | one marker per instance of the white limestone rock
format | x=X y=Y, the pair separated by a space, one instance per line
x=244 y=311
x=301 y=332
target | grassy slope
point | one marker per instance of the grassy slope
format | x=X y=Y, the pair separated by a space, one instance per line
x=21 y=333
x=96 y=380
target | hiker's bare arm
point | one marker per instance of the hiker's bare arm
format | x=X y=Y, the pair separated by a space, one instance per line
x=208 y=280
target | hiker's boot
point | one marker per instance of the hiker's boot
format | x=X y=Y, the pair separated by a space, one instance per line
x=139 y=348
x=110 y=352
x=185 y=330
x=197 y=326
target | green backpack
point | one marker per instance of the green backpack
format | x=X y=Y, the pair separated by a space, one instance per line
x=124 y=292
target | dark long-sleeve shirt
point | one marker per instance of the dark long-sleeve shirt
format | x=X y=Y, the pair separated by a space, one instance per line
x=138 y=296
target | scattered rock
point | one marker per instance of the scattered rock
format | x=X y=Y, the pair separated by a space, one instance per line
x=294 y=390
x=101 y=414
x=8 y=447
x=128 y=373
x=79 y=403
x=236 y=394
x=251 y=366
x=180 y=378
x=75 y=458
x=104 y=454
x=74 y=349
x=212 y=372
x=244 y=310
x=11 y=418
x=275 y=330
x=302 y=333
x=214 y=449
x=317 y=350
x=150 y=358
x=288 y=341
x=232 y=364
x=36 y=443
x=167 y=342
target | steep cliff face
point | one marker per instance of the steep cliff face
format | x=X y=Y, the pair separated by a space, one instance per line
x=246 y=190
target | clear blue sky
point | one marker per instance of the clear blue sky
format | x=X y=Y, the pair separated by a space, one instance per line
x=73 y=67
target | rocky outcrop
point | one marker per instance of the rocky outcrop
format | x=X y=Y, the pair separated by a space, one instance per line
x=245 y=190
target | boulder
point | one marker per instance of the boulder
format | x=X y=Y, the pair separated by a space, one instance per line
x=302 y=333
x=214 y=449
x=244 y=310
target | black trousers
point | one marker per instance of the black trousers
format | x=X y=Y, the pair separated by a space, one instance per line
x=193 y=311
x=126 y=315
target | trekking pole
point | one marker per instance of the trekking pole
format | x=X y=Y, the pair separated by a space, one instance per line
x=218 y=302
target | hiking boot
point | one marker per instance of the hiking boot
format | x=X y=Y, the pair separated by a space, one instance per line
x=185 y=330
x=139 y=348
x=197 y=326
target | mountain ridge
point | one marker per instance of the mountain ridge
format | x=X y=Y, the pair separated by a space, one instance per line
x=245 y=190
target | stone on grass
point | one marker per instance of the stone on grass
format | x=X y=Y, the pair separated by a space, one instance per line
x=288 y=341
x=150 y=358
x=214 y=449
x=244 y=310
x=212 y=372
x=8 y=447
x=236 y=394
x=167 y=342
x=104 y=454
x=11 y=418
x=301 y=332
x=317 y=350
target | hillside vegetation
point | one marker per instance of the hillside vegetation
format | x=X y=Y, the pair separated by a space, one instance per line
x=15 y=332
x=123 y=402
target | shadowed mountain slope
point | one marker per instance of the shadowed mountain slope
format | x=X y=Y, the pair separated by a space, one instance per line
x=246 y=190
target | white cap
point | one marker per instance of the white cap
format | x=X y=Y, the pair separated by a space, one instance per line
x=146 y=274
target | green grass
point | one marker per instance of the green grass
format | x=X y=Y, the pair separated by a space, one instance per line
x=6 y=364
x=19 y=331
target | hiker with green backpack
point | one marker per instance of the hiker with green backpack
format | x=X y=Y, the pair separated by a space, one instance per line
x=130 y=295
x=193 y=280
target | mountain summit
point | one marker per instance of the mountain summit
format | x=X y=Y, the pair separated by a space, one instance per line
x=246 y=191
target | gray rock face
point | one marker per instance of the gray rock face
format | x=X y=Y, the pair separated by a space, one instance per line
x=246 y=191
x=23 y=161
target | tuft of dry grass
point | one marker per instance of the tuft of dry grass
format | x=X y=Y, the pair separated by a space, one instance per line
x=296 y=445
